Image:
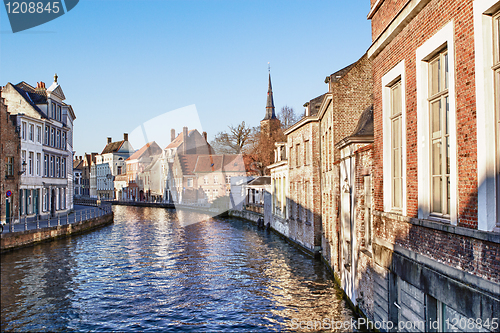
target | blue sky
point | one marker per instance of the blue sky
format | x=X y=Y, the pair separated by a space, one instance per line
x=122 y=63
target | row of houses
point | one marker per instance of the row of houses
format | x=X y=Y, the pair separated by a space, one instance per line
x=186 y=171
x=393 y=175
x=36 y=151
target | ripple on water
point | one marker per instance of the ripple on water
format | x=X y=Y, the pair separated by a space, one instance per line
x=152 y=270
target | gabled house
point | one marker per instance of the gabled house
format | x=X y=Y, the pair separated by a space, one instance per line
x=45 y=122
x=136 y=164
x=110 y=163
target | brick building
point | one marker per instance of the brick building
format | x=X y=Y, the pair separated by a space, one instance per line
x=436 y=160
x=349 y=94
x=10 y=165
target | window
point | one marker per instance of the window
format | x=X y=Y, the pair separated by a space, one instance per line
x=58 y=139
x=205 y=180
x=216 y=180
x=228 y=179
x=290 y=156
x=39 y=134
x=46 y=137
x=38 y=161
x=368 y=212
x=58 y=167
x=190 y=182
x=31 y=132
x=437 y=130
x=53 y=111
x=59 y=114
x=307 y=154
x=9 y=170
x=297 y=155
x=63 y=146
x=46 y=165
x=496 y=68
x=396 y=147
x=52 y=137
x=394 y=136
x=23 y=159
x=63 y=167
x=439 y=135
x=52 y=166
x=23 y=130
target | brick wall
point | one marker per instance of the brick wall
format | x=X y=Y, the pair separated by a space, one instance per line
x=10 y=146
x=350 y=94
x=430 y=20
x=469 y=254
x=306 y=231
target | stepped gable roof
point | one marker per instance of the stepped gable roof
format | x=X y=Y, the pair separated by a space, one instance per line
x=364 y=127
x=179 y=140
x=188 y=163
x=315 y=104
x=112 y=147
x=148 y=150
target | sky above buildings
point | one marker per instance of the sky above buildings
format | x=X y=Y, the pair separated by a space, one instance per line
x=125 y=65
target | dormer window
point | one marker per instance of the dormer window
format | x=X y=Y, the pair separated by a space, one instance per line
x=59 y=113
x=53 y=111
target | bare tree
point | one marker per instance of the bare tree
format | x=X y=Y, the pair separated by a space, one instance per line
x=235 y=141
x=287 y=117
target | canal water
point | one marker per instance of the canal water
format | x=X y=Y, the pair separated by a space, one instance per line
x=152 y=271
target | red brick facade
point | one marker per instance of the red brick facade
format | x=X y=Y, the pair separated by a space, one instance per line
x=10 y=150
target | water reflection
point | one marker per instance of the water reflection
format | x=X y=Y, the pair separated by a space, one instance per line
x=152 y=271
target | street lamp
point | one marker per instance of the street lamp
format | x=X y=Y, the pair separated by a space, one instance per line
x=23 y=169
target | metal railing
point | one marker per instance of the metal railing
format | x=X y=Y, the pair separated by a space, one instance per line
x=36 y=222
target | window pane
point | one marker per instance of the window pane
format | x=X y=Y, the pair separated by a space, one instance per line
x=436 y=158
x=396 y=99
x=436 y=194
x=446 y=71
x=435 y=76
x=448 y=196
x=436 y=118
x=447 y=114
x=447 y=155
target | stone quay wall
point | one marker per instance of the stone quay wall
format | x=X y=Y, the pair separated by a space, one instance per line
x=14 y=240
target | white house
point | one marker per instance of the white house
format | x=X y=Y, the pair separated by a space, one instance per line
x=46 y=125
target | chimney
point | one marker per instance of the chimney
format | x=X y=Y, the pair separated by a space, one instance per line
x=109 y=140
x=125 y=136
x=184 y=139
x=172 y=135
x=308 y=109
x=205 y=136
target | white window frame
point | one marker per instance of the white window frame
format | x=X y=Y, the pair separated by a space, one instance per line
x=444 y=38
x=487 y=168
x=395 y=74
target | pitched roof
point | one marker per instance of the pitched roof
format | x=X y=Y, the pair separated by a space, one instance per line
x=365 y=123
x=315 y=104
x=78 y=164
x=262 y=180
x=220 y=163
x=148 y=150
x=32 y=96
x=340 y=73
x=112 y=147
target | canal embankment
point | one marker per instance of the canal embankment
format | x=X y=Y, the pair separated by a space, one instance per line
x=18 y=239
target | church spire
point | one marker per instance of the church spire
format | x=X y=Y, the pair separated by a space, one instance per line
x=270 y=114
